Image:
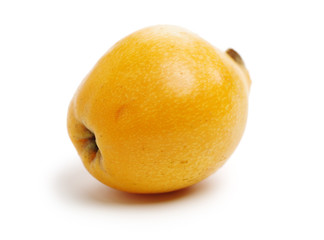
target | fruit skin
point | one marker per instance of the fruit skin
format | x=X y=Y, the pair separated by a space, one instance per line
x=160 y=111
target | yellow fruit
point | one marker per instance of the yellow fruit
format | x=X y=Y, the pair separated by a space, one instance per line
x=161 y=110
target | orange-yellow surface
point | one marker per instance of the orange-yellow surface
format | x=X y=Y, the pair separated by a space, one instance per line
x=161 y=110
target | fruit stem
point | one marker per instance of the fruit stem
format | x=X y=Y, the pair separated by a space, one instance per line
x=238 y=59
x=235 y=56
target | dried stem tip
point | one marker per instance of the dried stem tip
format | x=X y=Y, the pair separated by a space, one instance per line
x=235 y=56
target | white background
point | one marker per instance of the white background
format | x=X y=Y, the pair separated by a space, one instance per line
x=271 y=188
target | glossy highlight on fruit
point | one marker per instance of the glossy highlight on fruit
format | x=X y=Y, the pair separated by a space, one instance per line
x=162 y=110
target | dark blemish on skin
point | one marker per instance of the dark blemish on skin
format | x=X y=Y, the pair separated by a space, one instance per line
x=120 y=111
